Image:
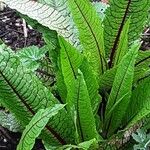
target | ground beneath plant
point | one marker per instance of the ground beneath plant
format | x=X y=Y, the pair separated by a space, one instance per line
x=17 y=35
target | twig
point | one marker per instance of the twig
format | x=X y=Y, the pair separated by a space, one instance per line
x=25 y=31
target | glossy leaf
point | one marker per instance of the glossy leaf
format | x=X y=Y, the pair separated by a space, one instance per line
x=70 y=60
x=120 y=92
x=85 y=117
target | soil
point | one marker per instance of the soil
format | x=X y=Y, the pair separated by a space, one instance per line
x=9 y=140
x=12 y=33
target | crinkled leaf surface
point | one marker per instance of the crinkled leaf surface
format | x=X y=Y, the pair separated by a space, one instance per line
x=115 y=20
x=22 y=89
x=36 y=125
x=30 y=56
x=90 y=32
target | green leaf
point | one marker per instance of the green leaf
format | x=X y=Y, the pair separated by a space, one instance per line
x=142 y=65
x=54 y=56
x=85 y=118
x=143 y=56
x=48 y=64
x=140 y=103
x=115 y=20
x=45 y=72
x=141 y=71
x=30 y=56
x=90 y=32
x=50 y=38
x=36 y=60
x=121 y=91
x=123 y=44
x=106 y=80
x=36 y=125
x=92 y=85
x=61 y=86
x=22 y=89
x=87 y=144
x=70 y=60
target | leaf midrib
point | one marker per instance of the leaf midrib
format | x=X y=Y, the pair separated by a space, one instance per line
x=72 y=68
x=141 y=61
x=36 y=123
x=33 y=126
x=113 y=50
x=78 y=111
x=52 y=131
x=118 y=92
x=95 y=39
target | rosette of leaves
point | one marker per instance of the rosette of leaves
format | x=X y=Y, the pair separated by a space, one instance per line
x=105 y=86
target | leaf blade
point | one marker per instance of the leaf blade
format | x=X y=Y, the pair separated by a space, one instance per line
x=70 y=60
x=36 y=125
x=22 y=89
x=90 y=32
x=139 y=105
x=121 y=90
x=85 y=117
x=92 y=85
x=115 y=20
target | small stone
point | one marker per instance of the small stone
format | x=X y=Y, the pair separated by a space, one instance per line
x=4 y=140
